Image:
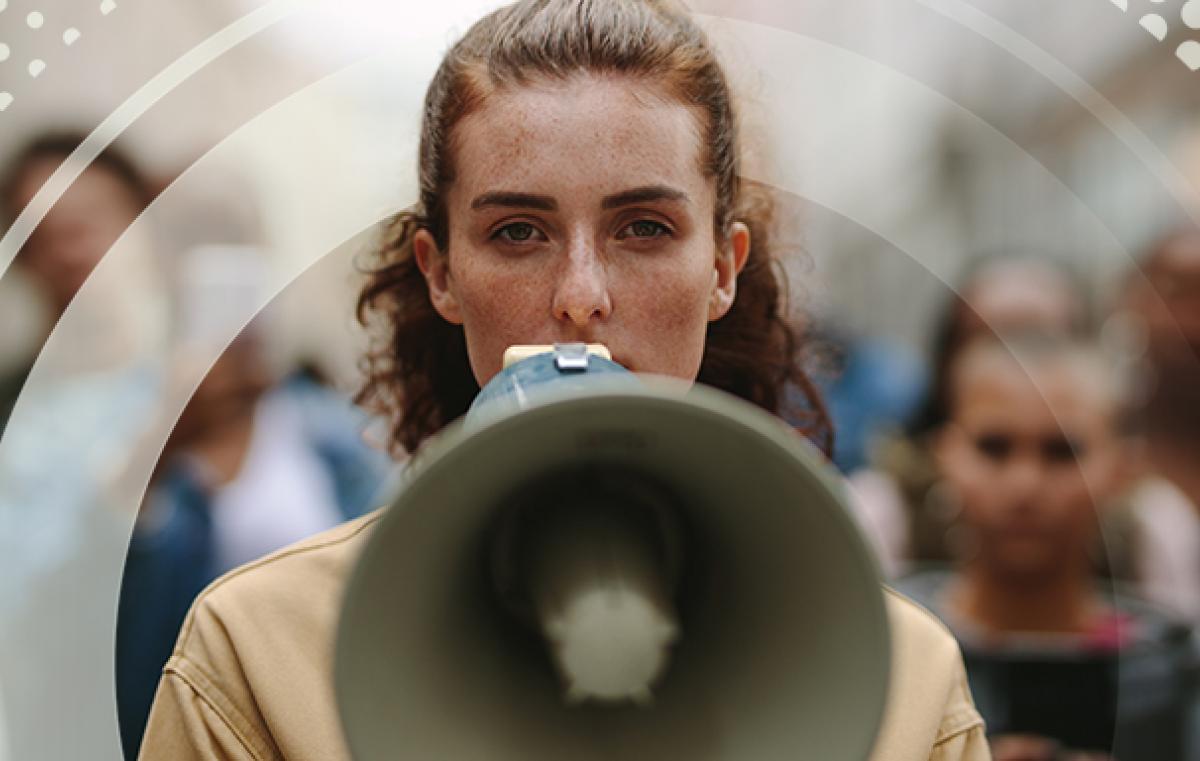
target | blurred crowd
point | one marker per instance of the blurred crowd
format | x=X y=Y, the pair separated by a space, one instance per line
x=258 y=459
x=1035 y=483
x=1040 y=494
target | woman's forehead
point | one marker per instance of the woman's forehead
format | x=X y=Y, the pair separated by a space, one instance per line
x=1048 y=393
x=582 y=132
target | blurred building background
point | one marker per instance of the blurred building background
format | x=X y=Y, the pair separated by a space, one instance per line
x=1065 y=130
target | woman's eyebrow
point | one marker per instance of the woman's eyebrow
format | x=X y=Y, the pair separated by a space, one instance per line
x=644 y=194
x=515 y=200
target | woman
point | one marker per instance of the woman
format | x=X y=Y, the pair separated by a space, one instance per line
x=1003 y=293
x=578 y=175
x=1033 y=455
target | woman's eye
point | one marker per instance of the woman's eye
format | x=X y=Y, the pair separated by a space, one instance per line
x=1059 y=450
x=645 y=228
x=994 y=446
x=517 y=232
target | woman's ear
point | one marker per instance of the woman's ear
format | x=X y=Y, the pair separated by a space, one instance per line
x=731 y=258
x=435 y=266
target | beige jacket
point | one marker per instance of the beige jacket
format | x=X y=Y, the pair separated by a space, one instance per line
x=251 y=676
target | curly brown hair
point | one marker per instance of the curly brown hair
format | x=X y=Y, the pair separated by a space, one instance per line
x=417 y=371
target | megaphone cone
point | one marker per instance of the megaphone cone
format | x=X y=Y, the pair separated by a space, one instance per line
x=753 y=629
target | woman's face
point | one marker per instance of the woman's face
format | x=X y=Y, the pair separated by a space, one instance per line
x=80 y=228
x=579 y=213
x=1031 y=457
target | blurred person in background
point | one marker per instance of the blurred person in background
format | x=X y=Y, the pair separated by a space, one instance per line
x=97 y=398
x=67 y=447
x=76 y=233
x=1061 y=666
x=1159 y=322
x=897 y=496
x=1001 y=294
x=253 y=465
x=874 y=388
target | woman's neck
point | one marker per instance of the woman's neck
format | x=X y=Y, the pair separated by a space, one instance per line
x=1061 y=603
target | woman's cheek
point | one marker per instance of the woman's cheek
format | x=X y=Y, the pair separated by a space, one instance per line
x=501 y=293
x=674 y=321
x=496 y=313
x=680 y=287
x=499 y=318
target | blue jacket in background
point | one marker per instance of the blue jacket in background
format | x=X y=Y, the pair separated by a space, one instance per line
x=172 y=554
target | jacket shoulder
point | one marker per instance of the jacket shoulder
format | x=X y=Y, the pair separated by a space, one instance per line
x=297 y=582
x=256 y=652
x=915 y=622
x=929 y=702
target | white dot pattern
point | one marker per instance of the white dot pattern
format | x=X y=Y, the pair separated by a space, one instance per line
x=1160 y=28
x=1190 y=13
x=35 y=20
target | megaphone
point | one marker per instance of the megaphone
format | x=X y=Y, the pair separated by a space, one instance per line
x=598 y=565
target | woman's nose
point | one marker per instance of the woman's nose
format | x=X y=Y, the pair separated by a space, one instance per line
x=1024 y=475
x=581 y=294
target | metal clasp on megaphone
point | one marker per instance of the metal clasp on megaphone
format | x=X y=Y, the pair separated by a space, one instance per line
x=568 y=357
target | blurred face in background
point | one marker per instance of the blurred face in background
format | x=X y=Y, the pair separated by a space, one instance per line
x=579 y=212
x=1029 y=456
x=1167 y=306
x=1173 y=318
x=77 y=231
x=228 y=392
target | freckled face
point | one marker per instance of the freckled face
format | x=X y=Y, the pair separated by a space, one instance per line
x=579 y=213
